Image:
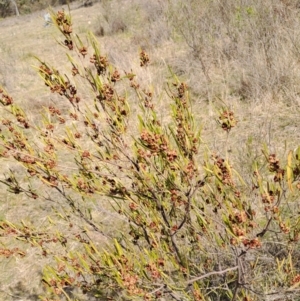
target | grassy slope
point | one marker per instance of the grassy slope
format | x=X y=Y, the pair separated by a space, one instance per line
x=269 y=118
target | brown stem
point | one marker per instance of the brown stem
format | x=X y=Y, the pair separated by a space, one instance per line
x=211 y=274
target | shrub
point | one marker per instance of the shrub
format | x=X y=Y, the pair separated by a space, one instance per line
x=183 y=224
x=5 y=8
x=115 y=17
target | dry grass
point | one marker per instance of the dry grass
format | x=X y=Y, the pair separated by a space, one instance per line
x=246 y=58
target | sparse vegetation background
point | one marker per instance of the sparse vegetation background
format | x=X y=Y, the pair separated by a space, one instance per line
x=156 y=159
x=23 y=7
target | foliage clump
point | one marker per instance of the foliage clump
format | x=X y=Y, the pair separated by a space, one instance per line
x=188 y=226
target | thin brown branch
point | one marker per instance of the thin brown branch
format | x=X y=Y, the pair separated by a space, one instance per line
x=211 y=274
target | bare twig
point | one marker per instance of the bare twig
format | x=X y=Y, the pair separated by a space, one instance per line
x=211 y=274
